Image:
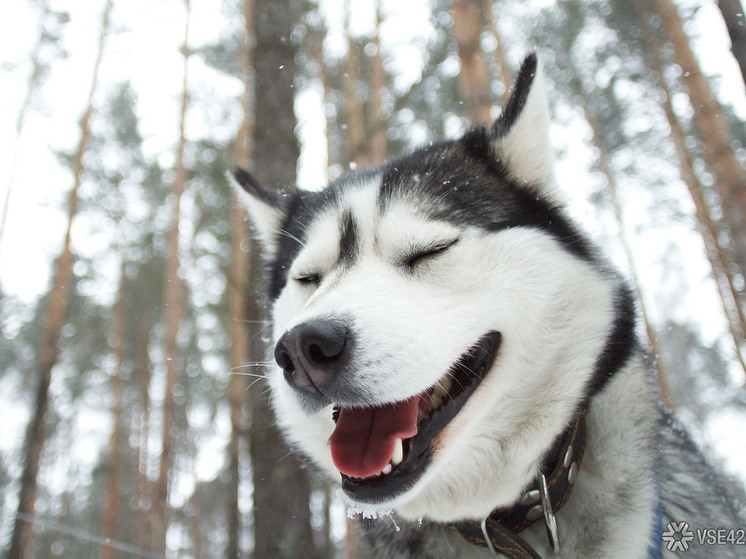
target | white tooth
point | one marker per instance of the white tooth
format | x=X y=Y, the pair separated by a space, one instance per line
x=387 y=469
x=446 y=385
x=436 y=401
x=420 y=415
x=398 y=455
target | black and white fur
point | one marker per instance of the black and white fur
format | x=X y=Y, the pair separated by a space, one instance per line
x=421 y=257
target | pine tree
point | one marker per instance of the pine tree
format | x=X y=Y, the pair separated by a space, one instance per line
x=506 y=77
x=49 y=351
x=378 y=79
x=714 y=131
x=474 y=78
x=237 y=290
x=173 y=311
x=718 y=257
x=353 y=87
x=116 y=179
x=604 y=114
x=282 y=525
x=111 y=508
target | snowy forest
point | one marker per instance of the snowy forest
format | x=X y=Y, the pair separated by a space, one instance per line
x=135 y=421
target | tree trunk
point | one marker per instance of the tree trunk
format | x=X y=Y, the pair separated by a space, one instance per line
x=378 y=121
x=474 y=76
x=173 y=302
x=49 y=352
x=717 y=141
x=506 y=76
x=318 y=54
x=237 y=287
x=719 y=261
x=111 y=508
x=145 y=512
x=355 y=115
x=282 y=527
x=735 y=21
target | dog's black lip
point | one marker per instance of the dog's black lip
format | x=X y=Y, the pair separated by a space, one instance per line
x=468 y=372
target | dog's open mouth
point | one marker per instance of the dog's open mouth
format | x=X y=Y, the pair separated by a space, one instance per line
x=382 y=451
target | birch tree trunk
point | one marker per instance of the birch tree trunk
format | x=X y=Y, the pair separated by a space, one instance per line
x=173 y=301
x=49 y=351
x=717 y=141
x=474 y=76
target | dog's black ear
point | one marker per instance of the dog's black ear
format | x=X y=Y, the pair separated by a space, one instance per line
x=521 y=134
x=266 y=207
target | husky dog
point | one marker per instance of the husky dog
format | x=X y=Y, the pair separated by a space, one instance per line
x=454 y=352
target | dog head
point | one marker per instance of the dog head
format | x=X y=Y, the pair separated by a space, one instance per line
x=438 y=321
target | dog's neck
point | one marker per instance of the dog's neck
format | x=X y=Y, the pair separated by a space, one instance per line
x=615 y=485
x=553 y=486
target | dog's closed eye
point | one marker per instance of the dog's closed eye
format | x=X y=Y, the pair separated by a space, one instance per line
x=419 y=254
x=311 y=279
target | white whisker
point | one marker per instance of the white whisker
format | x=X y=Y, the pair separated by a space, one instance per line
x=293 y=237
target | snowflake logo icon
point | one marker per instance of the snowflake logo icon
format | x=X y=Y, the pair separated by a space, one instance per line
x=677 y=536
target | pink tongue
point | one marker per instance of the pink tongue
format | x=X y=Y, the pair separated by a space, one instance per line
x=363 y=439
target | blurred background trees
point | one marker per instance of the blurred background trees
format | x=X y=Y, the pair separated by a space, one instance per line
x=135 y=421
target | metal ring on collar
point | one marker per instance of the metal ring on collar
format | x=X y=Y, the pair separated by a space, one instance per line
x=486 y=535
x=549 y=518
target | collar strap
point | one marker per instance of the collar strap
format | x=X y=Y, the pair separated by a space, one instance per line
x=546 y=496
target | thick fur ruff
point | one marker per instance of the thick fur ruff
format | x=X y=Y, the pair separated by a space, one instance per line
x=401 y=275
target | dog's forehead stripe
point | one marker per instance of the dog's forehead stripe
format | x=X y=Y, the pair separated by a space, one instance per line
x=348 y=239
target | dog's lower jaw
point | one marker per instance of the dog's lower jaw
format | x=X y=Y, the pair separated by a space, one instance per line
x=456 y=499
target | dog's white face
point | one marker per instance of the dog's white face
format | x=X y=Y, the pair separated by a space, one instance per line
x=437 y=322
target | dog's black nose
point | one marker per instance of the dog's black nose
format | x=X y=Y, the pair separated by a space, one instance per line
x=310 y=354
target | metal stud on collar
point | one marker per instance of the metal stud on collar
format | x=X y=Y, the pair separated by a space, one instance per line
x=549 y=519
x=530 y=497
x=568 y=457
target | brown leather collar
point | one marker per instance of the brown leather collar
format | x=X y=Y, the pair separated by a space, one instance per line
x=544 y=498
